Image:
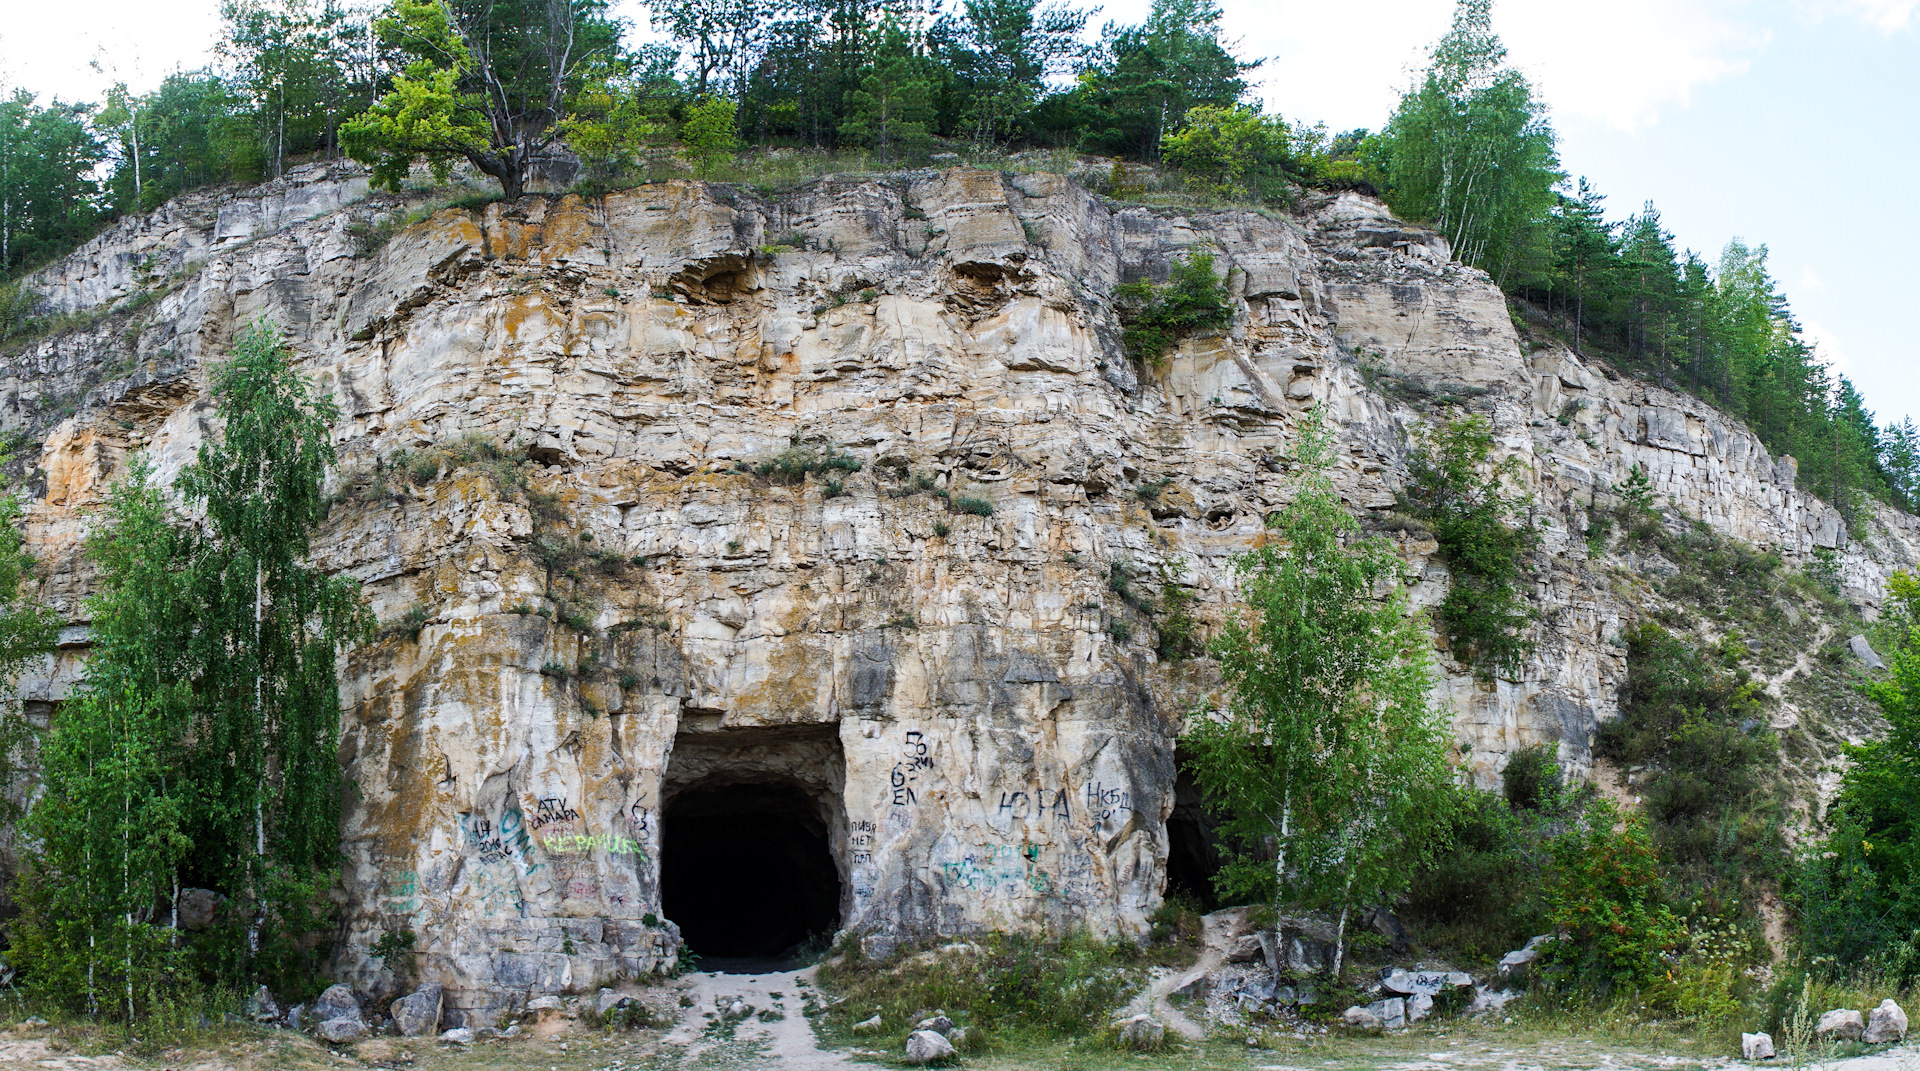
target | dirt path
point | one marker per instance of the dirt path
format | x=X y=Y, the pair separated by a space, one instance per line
x=1154 y=999
x=750 y=1021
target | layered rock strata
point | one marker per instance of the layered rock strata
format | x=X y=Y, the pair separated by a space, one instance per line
x=837 y=490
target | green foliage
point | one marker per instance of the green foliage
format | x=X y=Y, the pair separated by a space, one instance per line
x=796 y=463
x=48 y=195
x=709 y=132
x=201 y=749
x=1156 y=316
x=973 y=504
x=1470 y=150
x=1225 y=151
x=1531 y=779
x=1691 y=725
x=1478 y=896
x=998 y=985
x=485 y=80
x=1179 y=634
x=1604 y=894
x=892 y=107
x=1858 y=892
x=1463 y=498
x=1329 y=750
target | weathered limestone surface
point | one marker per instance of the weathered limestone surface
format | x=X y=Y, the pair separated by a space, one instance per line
x=642 y=615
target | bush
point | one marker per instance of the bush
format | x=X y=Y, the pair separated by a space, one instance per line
x=1604 y=895
x=1690 y=722
x=1226 y=150
x=979 y=507
x=1153 y=318
x=1531 y=779
x=1479 y=896
x=1464 y=500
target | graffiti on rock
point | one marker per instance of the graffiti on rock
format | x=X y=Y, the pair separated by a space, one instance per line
x=914 y=758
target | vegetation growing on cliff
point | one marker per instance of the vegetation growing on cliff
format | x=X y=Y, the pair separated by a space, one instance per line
x=200 y=750
x=1485 y=537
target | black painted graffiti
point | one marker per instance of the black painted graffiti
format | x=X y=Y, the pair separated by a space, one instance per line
x=550 y=810
x=1041 y=801
x=1106 y=804
x=494 y=846
x=915 y=758
x=860 y=841
x=639 y=820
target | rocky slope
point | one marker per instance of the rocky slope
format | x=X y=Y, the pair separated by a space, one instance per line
x=623 y=616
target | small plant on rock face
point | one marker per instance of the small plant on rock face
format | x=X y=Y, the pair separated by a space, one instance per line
x=979 y=507
x=395 y=947
x=1156 y=317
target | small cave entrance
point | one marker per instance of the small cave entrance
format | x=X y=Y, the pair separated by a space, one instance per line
x=752 y=834
x=1193 y=847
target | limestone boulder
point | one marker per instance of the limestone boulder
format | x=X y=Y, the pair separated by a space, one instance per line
x=418 y=1013
x=925 y=1047
x=1756 y=1046
x=1840 y=1024
x=1886 y=1024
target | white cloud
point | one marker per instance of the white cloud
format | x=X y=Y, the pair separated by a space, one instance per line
x=1810 y=280
x=1625 y=64
x=45 y=48
x=1886 y=16
x=1826 y=346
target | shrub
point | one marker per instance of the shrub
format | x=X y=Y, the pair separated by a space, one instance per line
x=1690 y=722
x=1531 y=779
x=1225 y=150
x=1180 y=635
x=975 y=505
x=1465 y=501
x=1603 y=894
x=1154 y=317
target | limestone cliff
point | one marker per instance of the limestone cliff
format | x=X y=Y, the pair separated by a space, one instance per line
x=634 y=618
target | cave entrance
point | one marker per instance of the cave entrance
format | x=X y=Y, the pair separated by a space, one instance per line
x=752 y=834
x=1193 y=847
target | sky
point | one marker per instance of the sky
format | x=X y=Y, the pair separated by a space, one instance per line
x=1793 y=123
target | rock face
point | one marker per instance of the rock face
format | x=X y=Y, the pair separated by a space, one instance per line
x=912 y=658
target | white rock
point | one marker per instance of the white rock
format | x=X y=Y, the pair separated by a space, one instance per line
x=1360 y=1018
x=939 y=1024
x=1142 y=1033
x=869 y=1026
x=459 y=1035
x=342 y=1030
x=1887 y=1024
x=1845 y=1024
x=925 y=1046
x=1392 y=1012
x=1756 y=1046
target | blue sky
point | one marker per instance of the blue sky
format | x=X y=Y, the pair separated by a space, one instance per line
x=1794 y=123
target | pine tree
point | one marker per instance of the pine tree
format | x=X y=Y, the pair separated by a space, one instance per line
x=893 y=107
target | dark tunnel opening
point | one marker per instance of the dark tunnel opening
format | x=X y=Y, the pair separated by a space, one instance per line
x=747 y=872
x=1193 y=848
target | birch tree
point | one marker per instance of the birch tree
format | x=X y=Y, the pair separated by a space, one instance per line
x=1326 y=762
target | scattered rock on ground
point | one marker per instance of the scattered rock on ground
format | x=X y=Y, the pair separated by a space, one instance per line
x=939 y=1024
x=1392 y=1012
x=336 y=1003
x=925 y=1046
x=459 y=1035
x=1842 y=1023
x=418 y=1013
x=1887 y=1024
x=297 y=1017
x=1360 y=1018
x=1419 y=1006
x=1865 y=653
x=608 y=1001
x=1756 y=1046
x=1141 y=1032
x=869 y=1026
x=262 y=1007
x=544 y=1009
x=1515 y=965
x=344 y=1029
